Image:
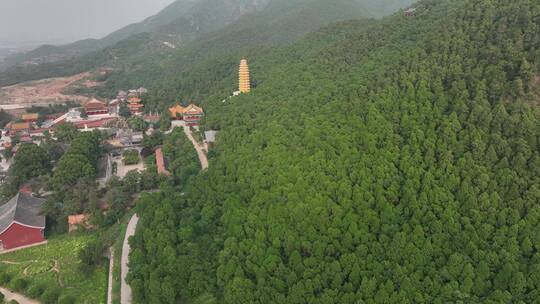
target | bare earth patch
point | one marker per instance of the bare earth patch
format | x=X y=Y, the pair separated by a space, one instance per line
x=42 y=91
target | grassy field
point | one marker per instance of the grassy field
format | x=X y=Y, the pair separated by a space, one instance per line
x=54 y=269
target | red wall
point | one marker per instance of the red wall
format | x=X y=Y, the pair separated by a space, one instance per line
x=19 y=235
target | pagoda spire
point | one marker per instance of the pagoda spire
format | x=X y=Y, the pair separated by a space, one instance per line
x=244 y=80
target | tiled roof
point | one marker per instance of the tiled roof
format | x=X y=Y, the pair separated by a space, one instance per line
x=77 y=219
x=23 y=209
x=20 y=126
x=95 y=104
x=30 y=116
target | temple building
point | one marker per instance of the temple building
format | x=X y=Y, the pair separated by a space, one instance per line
x=135 y=106
x=21 y=222
x=96 y=107
x=190 y=114
x=244 y=79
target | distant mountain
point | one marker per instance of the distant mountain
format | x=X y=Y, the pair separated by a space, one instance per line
x=180 y=22
x=205 y=25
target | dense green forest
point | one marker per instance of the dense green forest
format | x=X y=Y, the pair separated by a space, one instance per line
x=392 y=161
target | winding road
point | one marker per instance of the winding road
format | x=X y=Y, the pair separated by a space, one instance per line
x=125 y=289
x=200 y=150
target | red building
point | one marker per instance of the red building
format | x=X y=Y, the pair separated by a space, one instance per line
x=191 y=114
x=96 y=107
x=135 y=106
x=21 y=223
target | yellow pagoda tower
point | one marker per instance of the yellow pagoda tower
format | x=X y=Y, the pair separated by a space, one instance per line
x=245 y=84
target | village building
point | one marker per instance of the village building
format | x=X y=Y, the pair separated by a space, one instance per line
x=21 y=222
x=191 y=114
x=152 y=118
x=74 y=221
x=18 y=128
x=30 y=117
x=244 y=78
x=161 y=163
x=95 y=107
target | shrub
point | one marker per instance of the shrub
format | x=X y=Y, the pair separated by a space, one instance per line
x=5 y=278
x=2 y=296
x=91 y=255
x=19 y=284
x=35 y=291
x=13 y=302
x=131 y=157
x=50 y=296
x=66 y=299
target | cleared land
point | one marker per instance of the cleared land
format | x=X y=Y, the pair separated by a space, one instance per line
x=55 y=266
x=42 y=91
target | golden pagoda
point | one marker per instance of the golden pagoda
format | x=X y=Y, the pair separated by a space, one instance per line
x=245 y=84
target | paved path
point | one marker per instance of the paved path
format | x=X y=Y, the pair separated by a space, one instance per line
x=111 y=267
x=125 y=289
x=200 y=150
x=17 y=297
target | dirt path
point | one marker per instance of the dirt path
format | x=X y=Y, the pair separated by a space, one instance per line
x=200 y=151
x=125 y=289
x=9 y=295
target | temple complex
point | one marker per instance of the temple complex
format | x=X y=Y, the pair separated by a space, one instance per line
x=244 y=79
x=96 y=107
x=190 y=114
x=135 y=106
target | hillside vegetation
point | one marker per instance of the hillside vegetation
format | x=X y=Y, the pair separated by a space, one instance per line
x=193 y=24
x=391 y=161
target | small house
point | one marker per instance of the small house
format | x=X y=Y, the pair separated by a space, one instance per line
x=30 y=117
x=74 y=221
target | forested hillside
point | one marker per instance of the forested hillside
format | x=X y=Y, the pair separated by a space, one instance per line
x=392 y=161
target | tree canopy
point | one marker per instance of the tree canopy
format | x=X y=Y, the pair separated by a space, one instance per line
x=391 y=161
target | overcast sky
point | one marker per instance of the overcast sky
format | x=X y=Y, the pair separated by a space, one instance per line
x=70 y=20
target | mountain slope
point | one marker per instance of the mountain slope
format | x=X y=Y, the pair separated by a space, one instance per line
x=180 y=22
x=280 y=23
x=396 y=162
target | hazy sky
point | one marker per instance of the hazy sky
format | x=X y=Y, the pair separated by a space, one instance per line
x=50 y=20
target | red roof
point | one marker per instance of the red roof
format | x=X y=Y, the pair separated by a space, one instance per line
x=93 y=123
x=95 y=104
x=151 y=118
